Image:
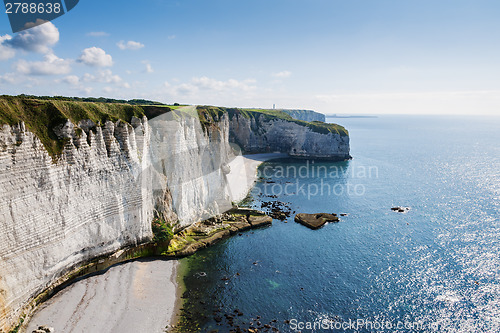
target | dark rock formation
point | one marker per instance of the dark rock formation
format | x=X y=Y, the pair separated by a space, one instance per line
x=257 y=221
x=315 y=221
x=400 y=209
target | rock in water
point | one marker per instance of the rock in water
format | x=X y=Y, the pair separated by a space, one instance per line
x=315 y=221
x=400 y=209
x=257 y=221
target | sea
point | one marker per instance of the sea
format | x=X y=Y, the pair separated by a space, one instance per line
x=435 y=267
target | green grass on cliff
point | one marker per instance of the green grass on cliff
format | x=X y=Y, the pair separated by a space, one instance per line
x=162 y=230
x=209 y=114
x=41 y=116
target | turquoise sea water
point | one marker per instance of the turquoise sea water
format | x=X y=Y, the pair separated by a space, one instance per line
x=435 y=268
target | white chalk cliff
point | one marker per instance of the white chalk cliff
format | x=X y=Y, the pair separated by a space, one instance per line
x=261 y=134
x=306 y=115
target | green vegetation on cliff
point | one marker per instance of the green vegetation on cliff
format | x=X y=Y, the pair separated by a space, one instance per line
x=162 y=230
x=41 y=116
x=209 y=114
x=93 y=100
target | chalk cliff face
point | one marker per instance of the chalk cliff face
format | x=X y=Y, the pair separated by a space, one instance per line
x=100 y=196
x=194 y=160
x=306 y=115
x=53 y=216
x=261 y=134
x=103 y=191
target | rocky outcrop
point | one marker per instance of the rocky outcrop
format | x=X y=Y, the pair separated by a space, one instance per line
x=305 y=115
x=263 y=134
x=400 y=209
x=200 y=235
x=315 y=221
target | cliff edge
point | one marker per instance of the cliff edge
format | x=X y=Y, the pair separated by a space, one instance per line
x=268 y=131
x=305 y=115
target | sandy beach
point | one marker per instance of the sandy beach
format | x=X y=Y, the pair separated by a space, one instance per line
x=244 y=173
x=137 y=296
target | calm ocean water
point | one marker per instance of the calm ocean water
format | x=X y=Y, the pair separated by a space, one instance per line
x=433 y=269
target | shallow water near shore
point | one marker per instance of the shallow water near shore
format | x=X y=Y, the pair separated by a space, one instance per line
x=434 y=268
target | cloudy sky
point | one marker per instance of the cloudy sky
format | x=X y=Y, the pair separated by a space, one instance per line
x=334 y=56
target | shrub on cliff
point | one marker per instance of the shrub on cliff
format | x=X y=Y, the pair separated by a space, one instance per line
x=162 y=230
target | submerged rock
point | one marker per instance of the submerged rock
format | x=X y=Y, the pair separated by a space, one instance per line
x=315 y=221
x=400 y=209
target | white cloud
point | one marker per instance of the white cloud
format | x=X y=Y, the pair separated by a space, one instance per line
x=149 y=68
x=106 y=76
x=10 y=78
x=51 y=65
x=172 y=37
x=213 y=84
x=87 y=90
x=38 y=39
x=97 y=57
x=205 y=90
x=283 y=74
x=130 y=45
x=88 y=77
x=6 y=52
x=97 y=34
x=185 y=89
x=72 y=80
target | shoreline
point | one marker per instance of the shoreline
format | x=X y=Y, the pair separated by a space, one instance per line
x=175 y=279
x=243 y=174
x=51 y=311
x=129 y=290
x=243 y=171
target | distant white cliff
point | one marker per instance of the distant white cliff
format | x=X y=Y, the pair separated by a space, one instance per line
x=259 y=133
x=306 y=115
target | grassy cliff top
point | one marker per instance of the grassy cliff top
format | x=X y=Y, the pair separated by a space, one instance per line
x=93 y=99
x=41 y=116
x=210 y=113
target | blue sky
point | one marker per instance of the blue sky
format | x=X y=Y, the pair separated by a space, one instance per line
x=358 y=56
